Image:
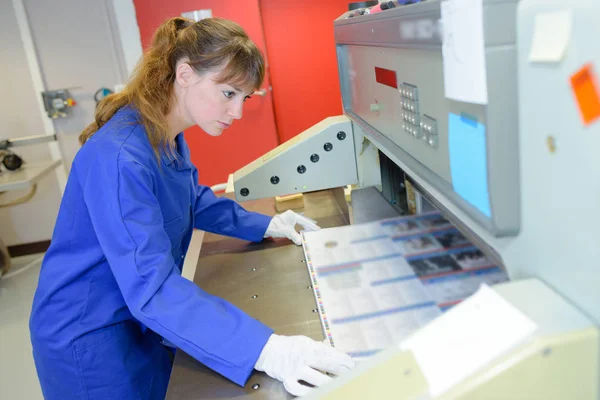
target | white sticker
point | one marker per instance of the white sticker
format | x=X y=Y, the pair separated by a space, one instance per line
x=467 y=338
x=463 y=51
x=197 y=15
x=551 y=36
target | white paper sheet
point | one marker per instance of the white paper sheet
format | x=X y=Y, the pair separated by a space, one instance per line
x=463 y=51
x=551 y=36
x=467 y=338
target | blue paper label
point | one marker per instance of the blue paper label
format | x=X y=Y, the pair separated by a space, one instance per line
x=468 y=161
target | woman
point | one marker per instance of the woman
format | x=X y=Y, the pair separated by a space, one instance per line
x=110 y=287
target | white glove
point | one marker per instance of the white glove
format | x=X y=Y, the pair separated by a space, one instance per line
x=290 y=359
x=284 y=225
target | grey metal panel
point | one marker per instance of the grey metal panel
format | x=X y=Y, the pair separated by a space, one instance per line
x=343 y=70
x=502 y=116
x=417 y=25
x=420 y=68
x=369 y=205
x=393 y=28
x=378 y=41
x=560 y=189
x=277 y=172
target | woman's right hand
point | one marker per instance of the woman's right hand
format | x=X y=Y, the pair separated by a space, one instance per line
x=290 y=359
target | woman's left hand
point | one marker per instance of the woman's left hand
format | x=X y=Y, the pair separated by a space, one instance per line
x=284 y=225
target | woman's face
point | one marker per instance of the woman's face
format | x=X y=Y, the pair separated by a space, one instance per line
x=210 y=105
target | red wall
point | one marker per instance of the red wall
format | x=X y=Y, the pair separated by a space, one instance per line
x=302 y=60
x=150 y=14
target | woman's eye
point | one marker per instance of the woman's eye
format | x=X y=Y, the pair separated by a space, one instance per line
x=228 y=94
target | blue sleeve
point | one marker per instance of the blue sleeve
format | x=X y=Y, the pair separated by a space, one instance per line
x=128 y=222
x=226 y=217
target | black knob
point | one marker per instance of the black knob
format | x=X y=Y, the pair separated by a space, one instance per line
x=341 y=135
x=314 y=158
x=12 y=162
x=301 y=169
x=244 y=192
x=328 y=146
x=274 y=180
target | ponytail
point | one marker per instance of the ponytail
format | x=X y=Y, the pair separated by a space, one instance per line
x=150 y=88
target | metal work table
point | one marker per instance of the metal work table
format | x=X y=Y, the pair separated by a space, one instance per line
x=27 y=176
x=275 y=272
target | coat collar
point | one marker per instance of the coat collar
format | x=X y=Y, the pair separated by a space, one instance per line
x=180 y=161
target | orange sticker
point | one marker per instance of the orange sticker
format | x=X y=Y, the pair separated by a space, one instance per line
x=584 y=86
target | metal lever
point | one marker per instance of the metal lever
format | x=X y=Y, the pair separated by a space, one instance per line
x=262 y=92
x=26 y=140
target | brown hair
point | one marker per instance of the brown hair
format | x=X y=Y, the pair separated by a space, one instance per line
x=207 y=44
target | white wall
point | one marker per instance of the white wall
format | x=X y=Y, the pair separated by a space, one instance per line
x=88 y=44
x=20 y=116
x=128 y=33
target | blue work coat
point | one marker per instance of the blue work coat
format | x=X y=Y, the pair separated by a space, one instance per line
x=110 y=286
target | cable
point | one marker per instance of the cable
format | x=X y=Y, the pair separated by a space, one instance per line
x=4 y=259
x=102 y=93
x=23 y=199
x=219 y=188
x=21 y=270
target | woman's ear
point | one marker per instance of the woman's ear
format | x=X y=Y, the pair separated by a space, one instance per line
x=185 y=75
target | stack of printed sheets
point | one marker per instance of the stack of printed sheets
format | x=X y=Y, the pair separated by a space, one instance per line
x=377 y=283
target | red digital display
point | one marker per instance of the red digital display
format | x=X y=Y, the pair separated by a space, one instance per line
x=386 y=77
